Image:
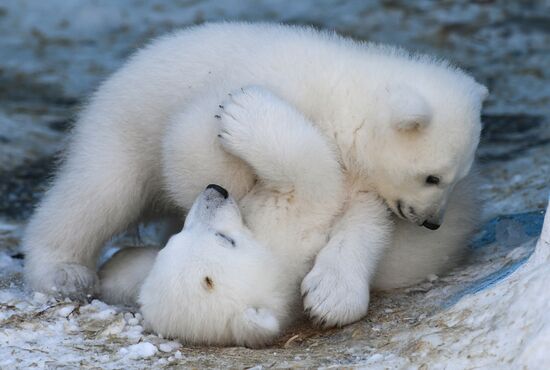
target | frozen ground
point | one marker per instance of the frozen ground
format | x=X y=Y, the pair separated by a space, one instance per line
x=490 y=313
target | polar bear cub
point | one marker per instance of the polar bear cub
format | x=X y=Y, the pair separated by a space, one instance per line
x=215 y=283
x=401 y=126
x=205 y=286
x=221 y=282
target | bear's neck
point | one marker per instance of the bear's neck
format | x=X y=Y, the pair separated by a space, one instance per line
x=339 y=94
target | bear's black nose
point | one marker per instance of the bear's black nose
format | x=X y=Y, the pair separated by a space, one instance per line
x=219 y=189
x=430 y=226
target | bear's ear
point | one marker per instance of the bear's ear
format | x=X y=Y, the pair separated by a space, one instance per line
x=408 y=109
x=262 y=318
x=483 y=92
x=256 y=327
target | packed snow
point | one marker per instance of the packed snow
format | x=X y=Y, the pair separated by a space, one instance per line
x=490 y=313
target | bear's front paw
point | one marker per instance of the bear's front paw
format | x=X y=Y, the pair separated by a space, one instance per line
x=65 y=280
x=334 y=296
x=246 y=111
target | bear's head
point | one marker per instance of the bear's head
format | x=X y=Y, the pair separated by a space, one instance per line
x=214 y=283
x=424 y=143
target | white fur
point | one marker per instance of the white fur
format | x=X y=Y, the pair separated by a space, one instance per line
x=409 y=110
x=145 y=139
x=122 y=276
x=252 y=288
x=414 y=253
x=204 y=289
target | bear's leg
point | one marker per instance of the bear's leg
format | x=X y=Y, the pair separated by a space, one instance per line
x=283 y=147
x=193 y=158
x=99 y=190
x=122 y=276
x=336 y=290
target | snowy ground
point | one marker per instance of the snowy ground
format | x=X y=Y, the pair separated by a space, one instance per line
x=490 y=313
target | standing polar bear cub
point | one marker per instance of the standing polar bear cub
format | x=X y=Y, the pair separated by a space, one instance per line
x=402 y=127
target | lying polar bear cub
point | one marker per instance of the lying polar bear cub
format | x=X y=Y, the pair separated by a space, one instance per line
x=219 y=281
x=223 y=280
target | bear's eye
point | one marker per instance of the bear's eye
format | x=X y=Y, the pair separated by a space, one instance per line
x=226 y=238
x=432 y=180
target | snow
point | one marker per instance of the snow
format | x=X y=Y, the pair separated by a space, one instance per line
x=490 y=313
x=65 y=311
x=467 y=319
x=140 y=350
x=505 y=326
x=170 y=347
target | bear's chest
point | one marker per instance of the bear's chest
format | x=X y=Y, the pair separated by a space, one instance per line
x=294 y=230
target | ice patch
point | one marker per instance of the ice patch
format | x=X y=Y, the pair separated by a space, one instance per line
x=169 y=346
x=65 y=311
x=140 y=350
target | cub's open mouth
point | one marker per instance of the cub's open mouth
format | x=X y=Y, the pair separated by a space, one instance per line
x=400 y=210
